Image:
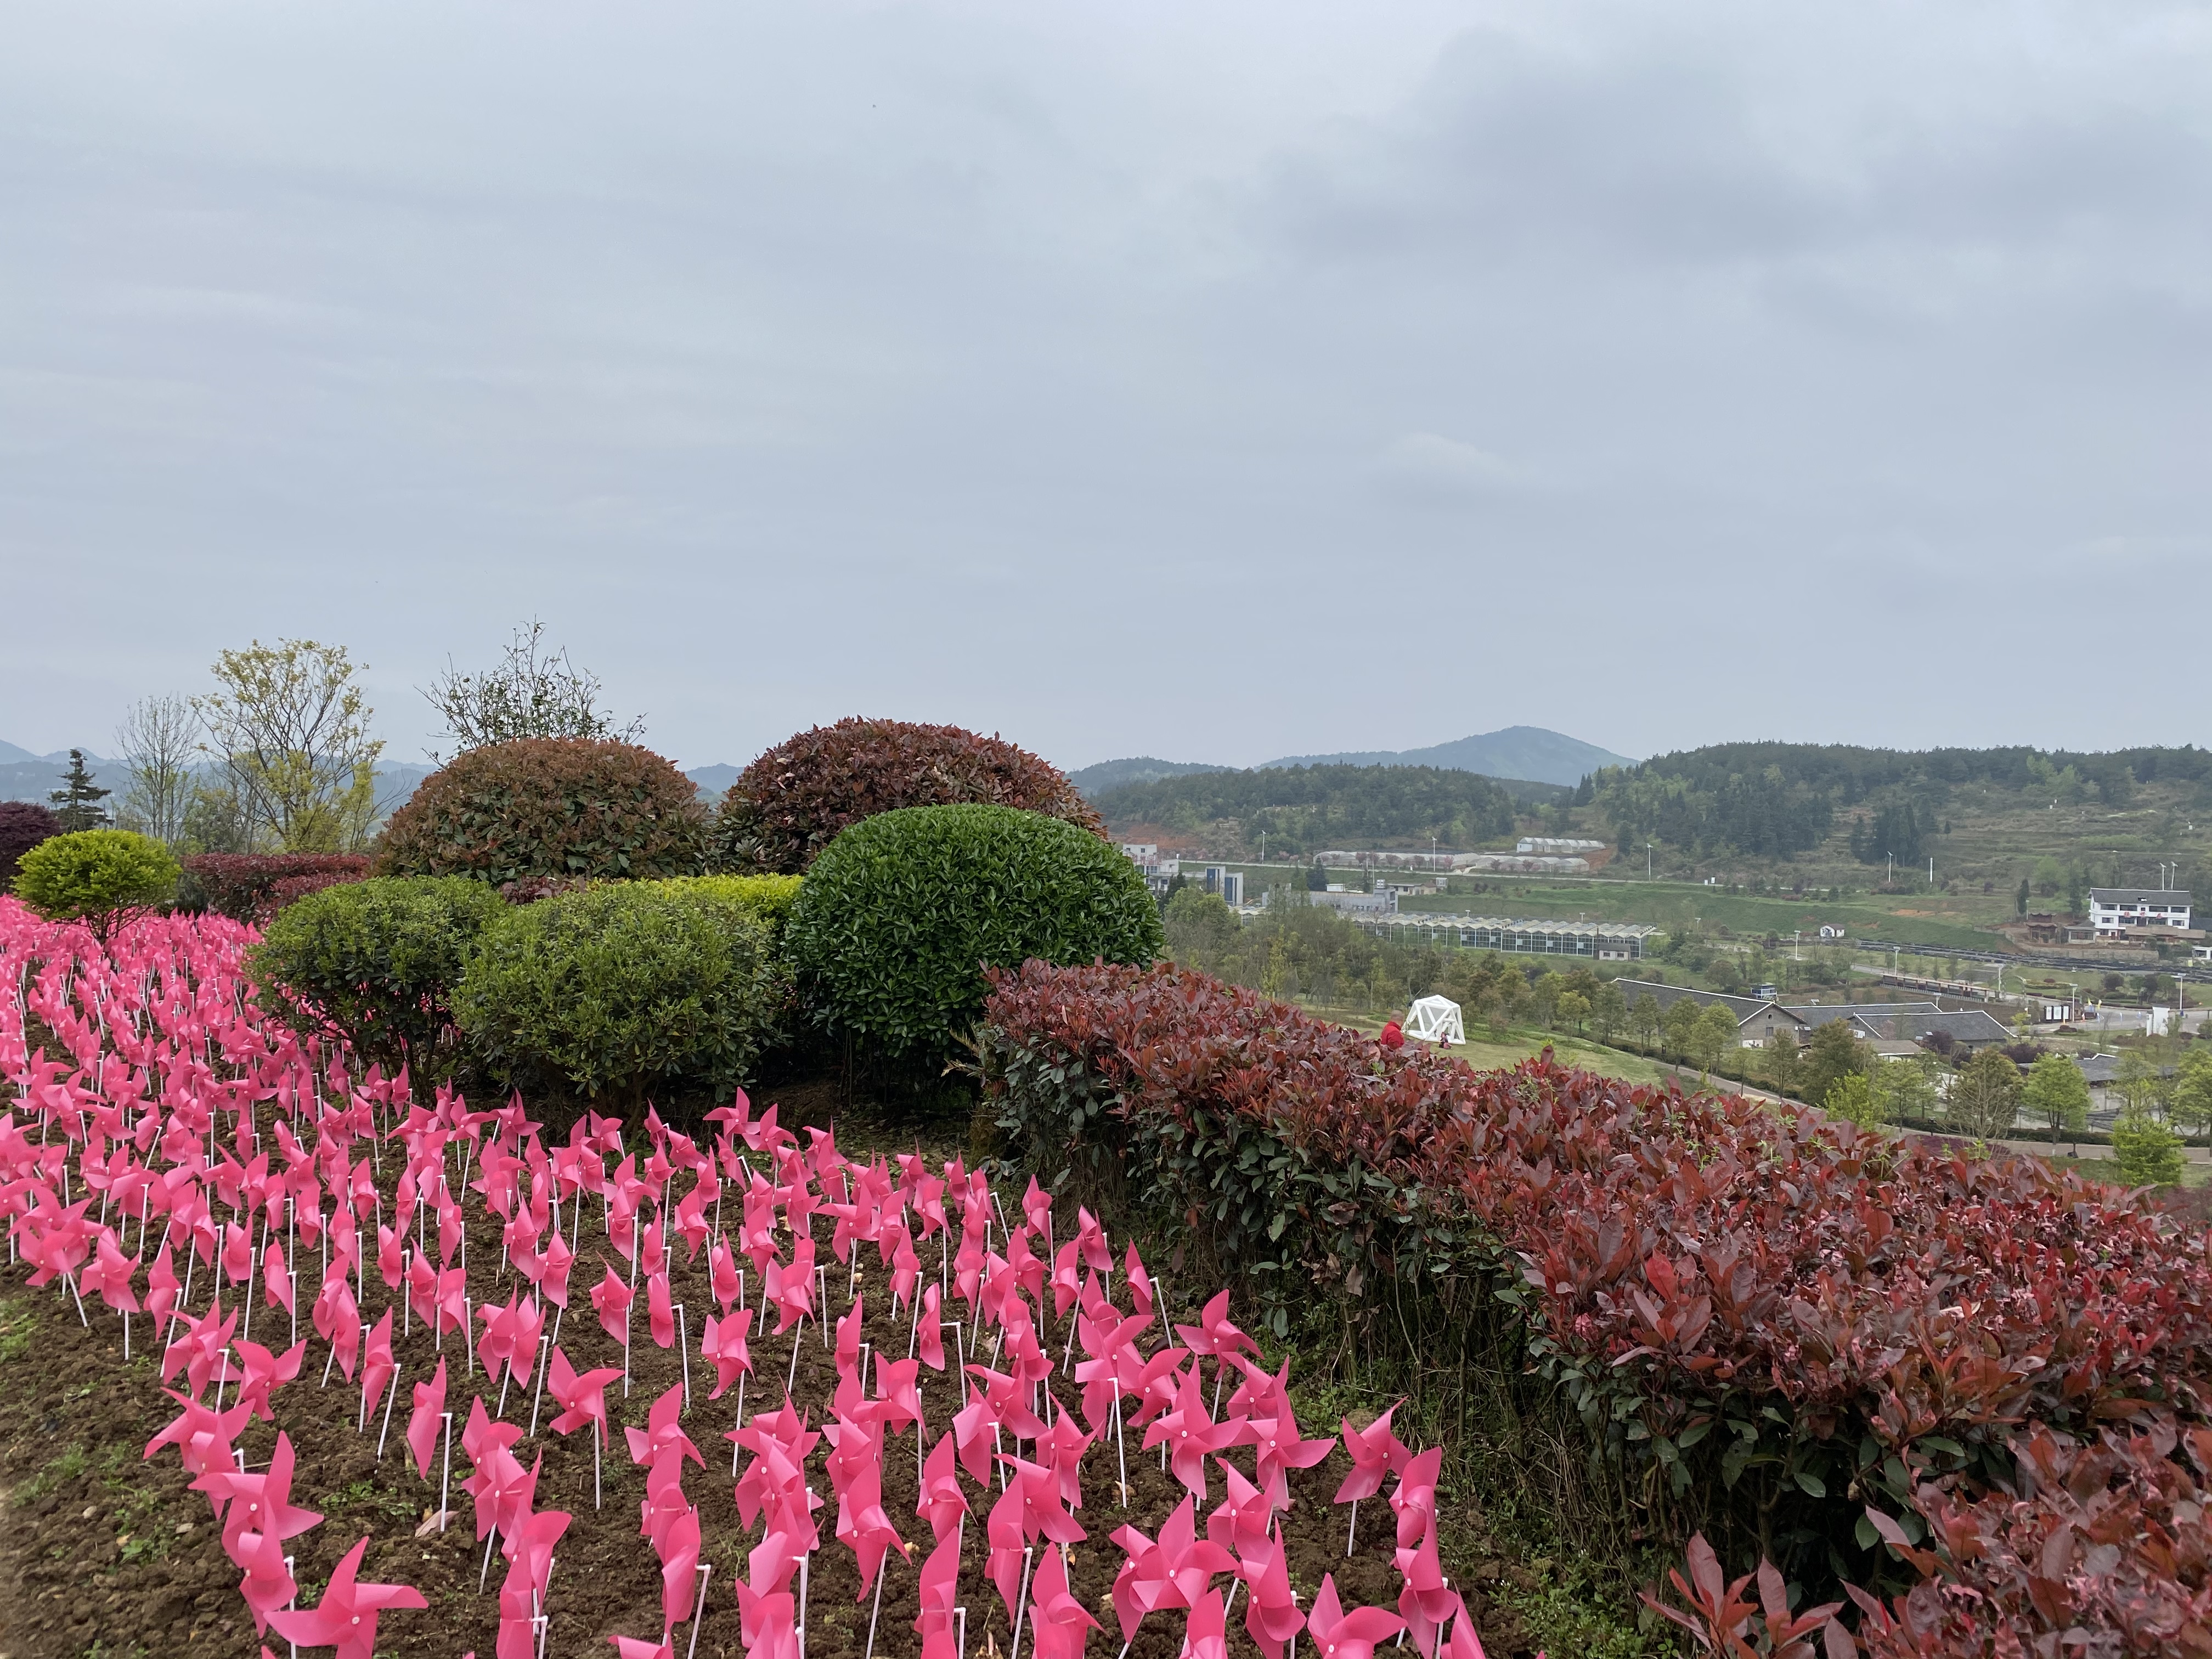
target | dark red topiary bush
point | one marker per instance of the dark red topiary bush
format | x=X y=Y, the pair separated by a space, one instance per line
x=253 y=886
x=560 y=807
x=23 y=825
x=790 y=803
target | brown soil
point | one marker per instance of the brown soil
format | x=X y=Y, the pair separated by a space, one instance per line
x=103 y=1553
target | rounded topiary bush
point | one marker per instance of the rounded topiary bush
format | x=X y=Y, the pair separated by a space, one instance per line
x=623 y=990
x=902 y=912
x=377 y=961
x=23 y=825
x=799 y=796
x=102 y=878
x=548 y=807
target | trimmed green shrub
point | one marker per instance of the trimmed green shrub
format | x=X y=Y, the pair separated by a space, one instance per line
x=102 y=878
x=903 y=911
x=548 y=807
x=769 y=898
x=377 y=961
x=796 y=798
x=623 y=988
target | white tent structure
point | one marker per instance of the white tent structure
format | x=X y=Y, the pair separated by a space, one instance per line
x=1436 y=1019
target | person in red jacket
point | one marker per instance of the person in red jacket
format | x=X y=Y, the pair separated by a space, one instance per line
x=1393 y=1035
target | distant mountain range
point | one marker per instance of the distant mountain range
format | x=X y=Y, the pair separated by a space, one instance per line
x=1525 y=752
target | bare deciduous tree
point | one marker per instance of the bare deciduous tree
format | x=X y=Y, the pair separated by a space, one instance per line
x=533 y=693
x=156 y=743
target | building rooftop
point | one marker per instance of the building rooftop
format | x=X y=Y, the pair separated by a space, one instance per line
x=2138 y=896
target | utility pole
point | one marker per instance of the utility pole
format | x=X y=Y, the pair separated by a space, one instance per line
x=1647 y=860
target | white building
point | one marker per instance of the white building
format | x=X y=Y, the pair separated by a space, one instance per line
x=2115 y=911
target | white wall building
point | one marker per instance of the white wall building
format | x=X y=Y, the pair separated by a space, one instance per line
x=2114 y=911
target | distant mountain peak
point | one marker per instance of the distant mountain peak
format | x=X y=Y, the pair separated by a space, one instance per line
x=1527 y=752
x=1138 y=768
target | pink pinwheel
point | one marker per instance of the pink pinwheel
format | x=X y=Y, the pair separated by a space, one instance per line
x=259 y=1504
x=268 y=1583
x=723 y=1346
x=1415 y=1502
x=1092 y=1237
x=659 y=1311
x=553 y=1271
x=942 y=1500
x=930 y=1330
x=1426 y=1600
x=1463 y=1643
x=264 y=1373
x=197 y=1351
x=582 y=1399
x=1341 y=1635
x=1140 y=1284
x=790 y=1290
x=636 y=1647
x=346 y=1617
x=940 y=1590
x=1171 y=1573
x=863 y=1525
x=337 y=1321
x=109 y=1274
x=1205 y=1635
x=1376 y=1453
x=1243 y=1518
x=423 y=1423
x=898 y=1388
x=1191 y=1435
x=1213 y=1335
x=1060 y=1621
x=611 y=1300
x=276 y=1279
x=377 y=1365
x=1062 y=1452
x=663 y=1430
x=1271 y=1609
x=1280 y=1450
x=203 y=1438
x=848 y=1336
x=679 y=1561
x=765 y=1622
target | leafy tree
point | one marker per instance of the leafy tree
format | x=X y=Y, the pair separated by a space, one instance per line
x=1609 y=1008
x=2138 y=1082
x=1681 y=1025
x=1316 y=877
x=102 y=878
x=2147 y=1152
x=1778 y=1064
x=1572 y=1010
x=290 y=727
x=532 y=692
x=1834 y=1052
x=76 y=803
x=1852 y=1098
x=2020 y=898
x=1905 y=1087
x=1985 y=1096
x=1643 y=1021
x=2057 y=1092
x=2192 y=1092
x=1546 y=994
x=1714 y=1033
x=155 y=743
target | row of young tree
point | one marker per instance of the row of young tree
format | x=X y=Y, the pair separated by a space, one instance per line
x=281 y=754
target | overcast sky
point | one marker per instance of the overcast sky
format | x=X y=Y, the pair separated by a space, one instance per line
x=1213 y=381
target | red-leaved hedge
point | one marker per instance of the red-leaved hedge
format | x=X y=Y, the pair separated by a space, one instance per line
x=790 y=804
x=253 y=886
x=1766 y=1317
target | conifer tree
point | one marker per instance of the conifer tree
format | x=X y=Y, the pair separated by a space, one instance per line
x=76 y=804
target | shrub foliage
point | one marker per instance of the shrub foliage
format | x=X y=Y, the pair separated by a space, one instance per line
x=251 y=886
x=547 y=807
x=23 y=825
x=904 y=912
x=1763 y=1321
x=622 y=988
x=101 y=878
x=377 y=961
x=796 y=798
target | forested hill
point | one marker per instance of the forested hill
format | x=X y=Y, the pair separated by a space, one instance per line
x=1775 y=798
x=1307 y=808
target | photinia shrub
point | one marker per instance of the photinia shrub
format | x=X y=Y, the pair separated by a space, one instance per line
x=250 y=886
x=1767 y=1318
x=902 y=915
x=559 y=807
x=23 y=825
x=796 y=798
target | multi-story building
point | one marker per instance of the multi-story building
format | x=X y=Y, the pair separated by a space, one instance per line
x=2115 y=912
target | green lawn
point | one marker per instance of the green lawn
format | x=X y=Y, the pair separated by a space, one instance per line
x=1485 y=1053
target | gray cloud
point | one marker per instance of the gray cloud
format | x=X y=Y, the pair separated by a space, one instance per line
x=1055 y=371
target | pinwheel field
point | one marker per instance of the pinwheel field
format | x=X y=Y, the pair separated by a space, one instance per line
x=344 y=1300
